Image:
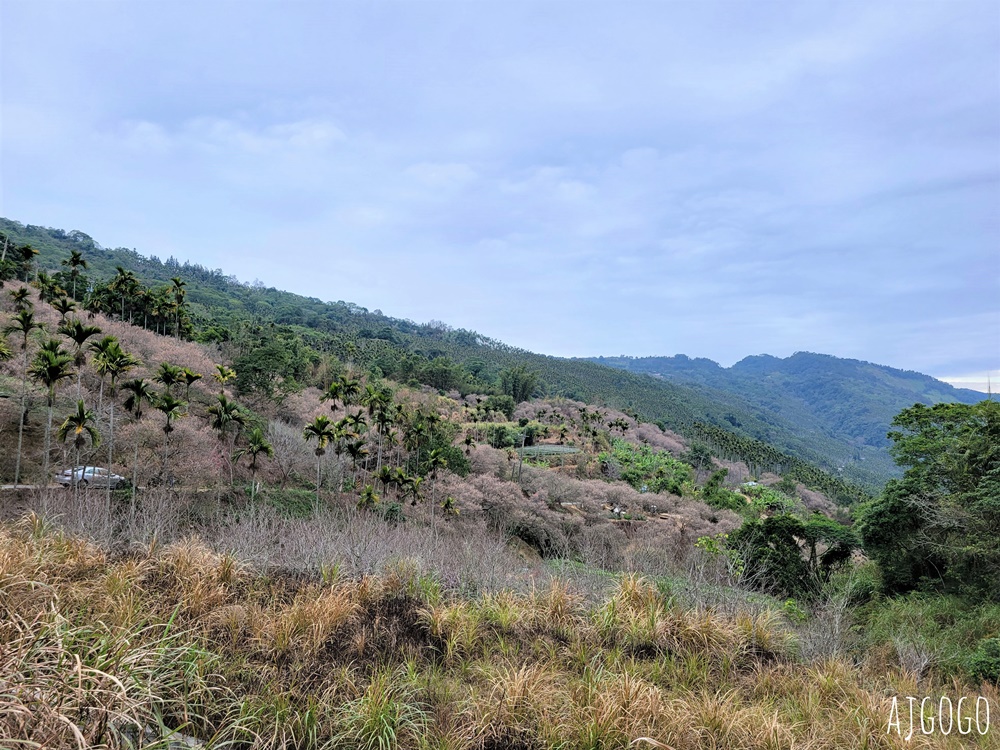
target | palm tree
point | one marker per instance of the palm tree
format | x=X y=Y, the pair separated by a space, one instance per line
x=178 y=290
x=322 y=431
x=100 y=348
x=334 y=393
x=226 y=418
x=48 y=288
x=124 y=284
x=21 y=298
x=169 y=375
x=114 y=363
x=81 y=424
x=223 y=375
x=51 y=365
x=435 y=460
x=257 y=445
x=23 y=323
x=78 y=333
x=64 y=306
x=357 y=450
x=190 y=378
x=369 y=498
x=171 y=408
x=75 y=262
x=5 y=351
x=28 y=254
x=139 y=391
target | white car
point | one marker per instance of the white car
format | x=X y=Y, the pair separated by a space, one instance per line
x=89 y=476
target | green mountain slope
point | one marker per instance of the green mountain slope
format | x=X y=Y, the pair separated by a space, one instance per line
x=277 y=338
x=849 y=402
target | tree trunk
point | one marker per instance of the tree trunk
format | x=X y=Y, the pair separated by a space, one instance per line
x=111 y=449
x=20 y=422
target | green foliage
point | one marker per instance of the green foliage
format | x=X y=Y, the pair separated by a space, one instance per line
x=938 y=526
x=290 y=502
x=952 y=633
x=519 y=382
x=842 y=407
x=788 y=557
x=645 y=468
x=500 y=403
x=717 y=496
x=984 y=664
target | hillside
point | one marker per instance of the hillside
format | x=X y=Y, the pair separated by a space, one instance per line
x=277 y=337
x=849 y=402
x=355 y=540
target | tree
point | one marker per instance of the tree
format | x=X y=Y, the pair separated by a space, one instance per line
x=21 y=298
x=23 y=323
x=50 y=366
x=75 y=262
x=938 y=526
x=140 y=391
x=322 y=431
x=124 y=285
x=518 y=382
x=178 y=291
x=169 y=375
x=435 y=460
x=223 y=375
x=64 y=306
x=257 y=446
x=190 y=378
x=227 y=419
x=113 y=363
x=171 y=408
x=81 y=425
x=786 y=556
x=78 y=333
x=27 y=253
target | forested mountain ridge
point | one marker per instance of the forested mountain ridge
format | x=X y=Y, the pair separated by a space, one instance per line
x=279 y=340
x=850 y=401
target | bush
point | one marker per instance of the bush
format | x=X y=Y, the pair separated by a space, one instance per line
x=985 y=661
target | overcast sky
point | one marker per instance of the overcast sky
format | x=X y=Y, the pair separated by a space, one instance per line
x=717 y=179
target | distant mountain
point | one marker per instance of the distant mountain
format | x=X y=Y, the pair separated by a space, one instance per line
x=847 y=400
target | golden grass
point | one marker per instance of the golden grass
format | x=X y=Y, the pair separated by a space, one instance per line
x=113 y=652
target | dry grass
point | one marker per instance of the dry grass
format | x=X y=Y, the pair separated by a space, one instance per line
x=127 y=650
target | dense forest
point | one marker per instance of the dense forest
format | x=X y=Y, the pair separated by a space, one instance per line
x=329 y=528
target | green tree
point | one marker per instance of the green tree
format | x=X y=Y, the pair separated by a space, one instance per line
x=81 y=424
x=140 y=391
x=171 y=409
x=64 y=306
x=78 y=333
x=518 y=382
x=228 y=419
x=113 y=363
x=190 y=378
x=178 y=292
x=938 y=525
x=257 y=446
x=786 y=556
x=169 y=375
x=322 y=431
x=75 y=262
x=50 y=367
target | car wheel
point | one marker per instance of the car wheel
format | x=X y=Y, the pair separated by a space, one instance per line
x=83 y=484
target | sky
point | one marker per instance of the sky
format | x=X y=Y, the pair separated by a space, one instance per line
x=718 y=179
